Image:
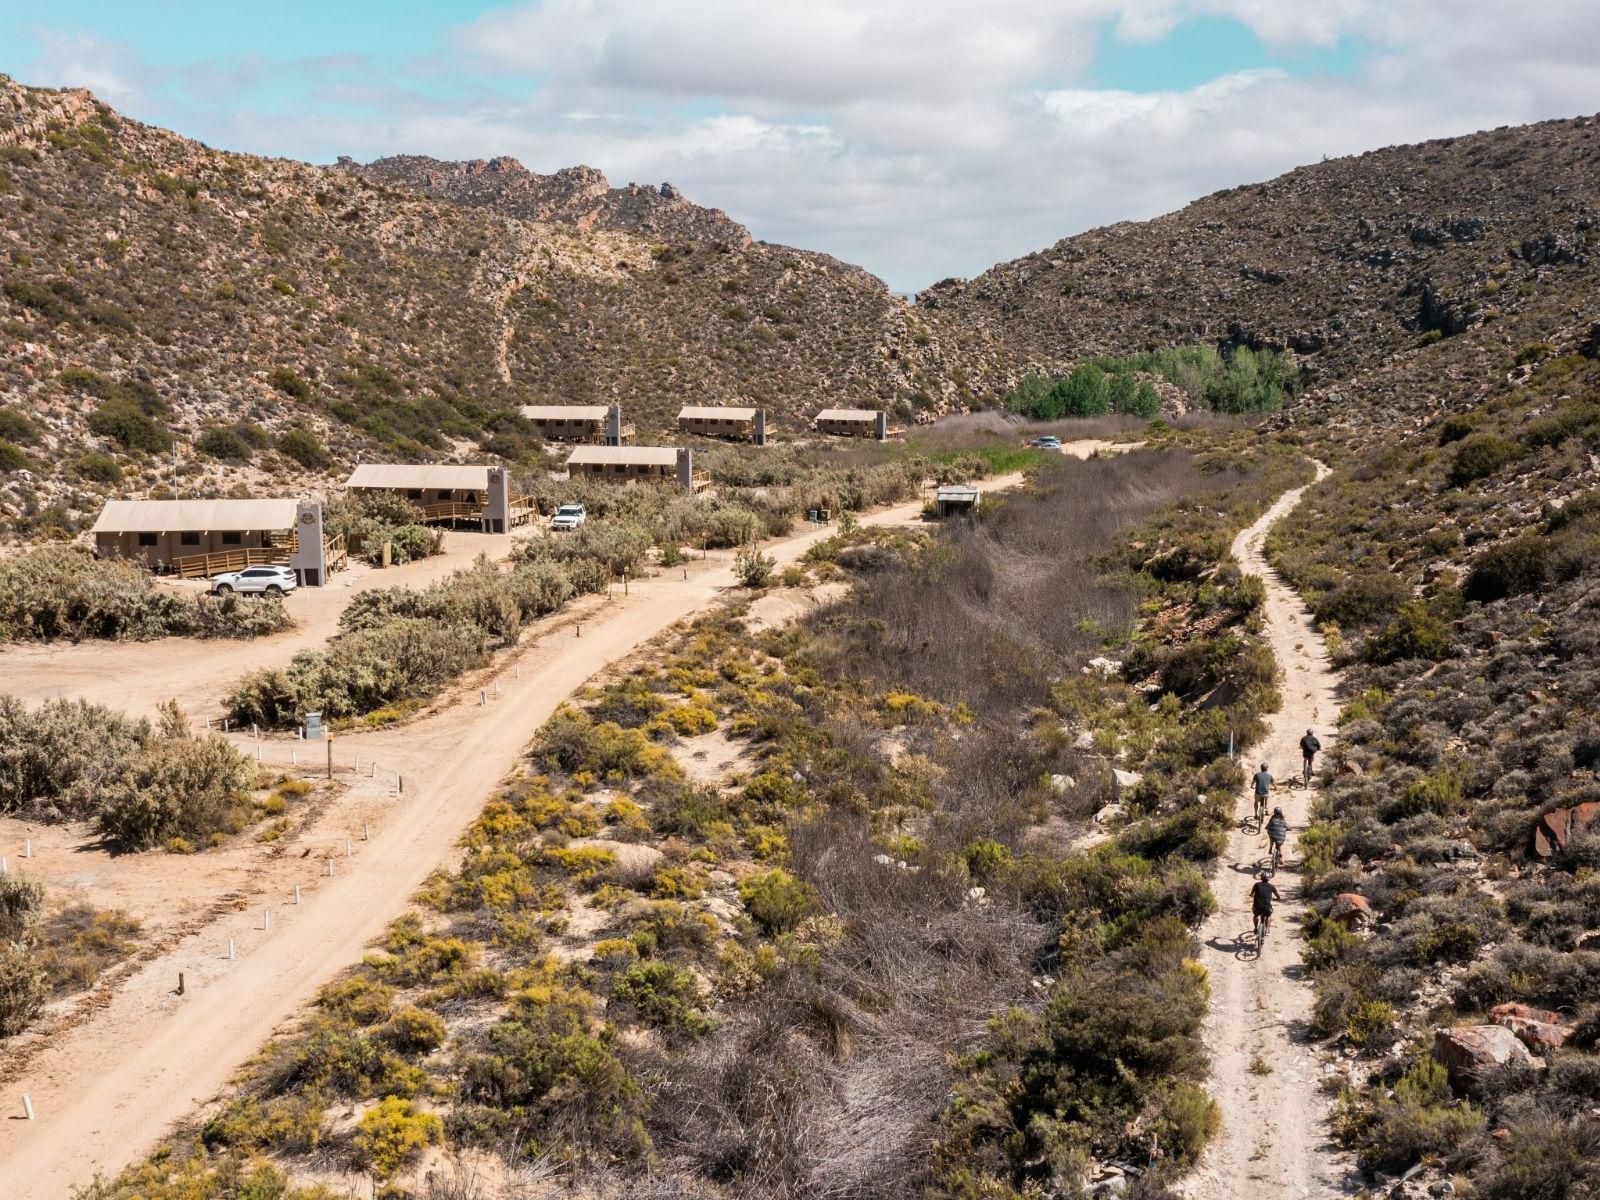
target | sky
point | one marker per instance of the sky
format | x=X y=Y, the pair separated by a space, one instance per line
x=918 y=138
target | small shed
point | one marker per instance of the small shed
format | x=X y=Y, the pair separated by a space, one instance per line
x=447 y=493
x=956 y=499
x=199 y=538
x=641 y=464
x=720 y=421
x=587 y=424
x=853 y=422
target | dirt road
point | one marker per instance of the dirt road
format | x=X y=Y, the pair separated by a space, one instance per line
x=1274 y=1141
x=106 y=1090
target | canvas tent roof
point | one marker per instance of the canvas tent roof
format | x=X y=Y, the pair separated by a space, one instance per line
x=712 y=412
x=564 y=412
x=443 y=476
x=956 y=491
x=194 y=516
x=635 y=456
x=847 y=414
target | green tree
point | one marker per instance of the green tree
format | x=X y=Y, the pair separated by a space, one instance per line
x=1084 y=393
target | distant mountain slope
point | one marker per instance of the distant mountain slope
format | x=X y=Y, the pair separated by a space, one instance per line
x=150 y=285
x=1343 y=262
x=575 y=196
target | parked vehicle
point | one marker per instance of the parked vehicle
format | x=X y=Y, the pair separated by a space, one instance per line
x=271 y=580
x=1047 y=441
x=569 y=516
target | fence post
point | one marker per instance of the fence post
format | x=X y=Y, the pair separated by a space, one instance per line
x=180 y=983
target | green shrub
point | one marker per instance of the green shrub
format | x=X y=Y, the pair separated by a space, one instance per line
x=663 y=996
x=178 y=787
x=12 y=458
x=1414 y=633
x=23 y=987
x=1363 y=600
x=1480 y=456
x=125 y=423
x=777 y=901
x=17 y=427
x=1455 y=427
x=1510 y=568
x=99 y=468
x=413 y=1030
x=20 y=902
x=753 y=569
x=225 y=442
x=303 y=446
x=290 y=384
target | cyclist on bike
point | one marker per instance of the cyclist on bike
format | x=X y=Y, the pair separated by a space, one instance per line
x=1262 y=894
x=1309 y=746
x=1277 y=834
x=1263 y=785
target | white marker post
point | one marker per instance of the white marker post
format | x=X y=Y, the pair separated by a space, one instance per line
x=366 y=832
x=294 y=756
x=230 y=950
x=330 y=868
x=349 y=850
x=266 y=919
x=27 y=1107
x=297 y=893
x=27 y=848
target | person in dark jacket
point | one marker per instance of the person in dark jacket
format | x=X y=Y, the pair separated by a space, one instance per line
x=1261 y=781
x=1309 y=747
x=1277 y=834
x=1262 y=894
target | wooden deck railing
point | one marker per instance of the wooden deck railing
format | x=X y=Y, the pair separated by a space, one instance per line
x=203 y=566
x=450 y=510
x=335 y=553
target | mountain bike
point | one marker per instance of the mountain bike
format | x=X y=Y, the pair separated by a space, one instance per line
x=1277 y=856
x=1263 y=923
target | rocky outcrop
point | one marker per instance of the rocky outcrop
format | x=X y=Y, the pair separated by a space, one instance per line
x=1469 y=1050
x=577 y=196
x=1350 y=910
x=1539 y=1029
x=1555 y=828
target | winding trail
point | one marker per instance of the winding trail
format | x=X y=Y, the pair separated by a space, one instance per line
x=107 y=1088
x=1274 y=1141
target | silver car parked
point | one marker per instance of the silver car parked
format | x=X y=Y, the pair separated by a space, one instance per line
x=272 y=580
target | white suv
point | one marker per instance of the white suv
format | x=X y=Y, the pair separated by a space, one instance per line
x=569 y=516
x=272 y=580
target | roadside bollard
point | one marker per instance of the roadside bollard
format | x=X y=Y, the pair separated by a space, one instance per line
x=297 y=893
x=230 y=950
x=266 y=920
x=27 y=1107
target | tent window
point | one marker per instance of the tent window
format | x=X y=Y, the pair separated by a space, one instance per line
x=233 y=539
x=414 y=494
x=147 y=539
x=191 y=538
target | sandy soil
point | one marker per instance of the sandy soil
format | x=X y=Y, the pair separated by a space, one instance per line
x=106 y=1089
x=1274 y=1141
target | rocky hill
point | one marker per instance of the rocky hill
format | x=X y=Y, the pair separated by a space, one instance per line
x=1344 y=263
x=273 y=317
x=577 y=196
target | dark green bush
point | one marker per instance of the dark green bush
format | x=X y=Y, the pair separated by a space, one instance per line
x=125 y=423
x=303 y=447
x=225 y=442
x=12 y=458
x=99 y=468
x=777 y=901
x=1510 y=568
x=1480 y=456
x=1414 y=633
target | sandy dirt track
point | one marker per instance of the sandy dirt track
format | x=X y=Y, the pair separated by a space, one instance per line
x=1274 y=1142
x=107 y=1089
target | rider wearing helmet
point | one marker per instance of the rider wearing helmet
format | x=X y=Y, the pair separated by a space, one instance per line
x=1262 y=894
x=1309 y=747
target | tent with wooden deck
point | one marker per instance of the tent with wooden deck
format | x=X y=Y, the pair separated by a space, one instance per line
x=591 y=424
x=643 y=464
x=724 y=421
x=854 y=422
x=196 y=539
x=448 y=493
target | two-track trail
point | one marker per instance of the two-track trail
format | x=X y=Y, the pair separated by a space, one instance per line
x=1273 y=1143
x=106 y=1089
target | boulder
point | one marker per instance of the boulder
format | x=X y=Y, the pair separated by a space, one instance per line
x=1110 y=812
x=1350 y=767
x=1063 y=783
x=1539 y=1029
x=1350 y=908
x=1084 y=741
x=1126 y=779
x=1555 y=829
x=1470 y=1049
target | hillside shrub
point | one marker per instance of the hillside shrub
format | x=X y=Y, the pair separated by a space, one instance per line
x=99 y=468
x=392 y=1133
x=777 y=901
x=1510 y=568
x=303 y=447
x=125 y=423
x=663 y=996
x=23 y=987
x=1480 y=456
x=753 y=569
x=226 y=442
x=1414 y=633
x=12 y=458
